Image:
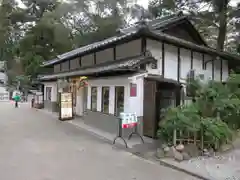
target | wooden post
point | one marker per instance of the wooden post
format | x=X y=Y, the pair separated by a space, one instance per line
x=195 y=138
x=180 y=134
x=202 y=139
x=175 y=137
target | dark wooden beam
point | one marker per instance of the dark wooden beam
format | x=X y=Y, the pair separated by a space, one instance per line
x=178 y=95
x=143 y=45
x=213 y=67
x=221 y=70
x=114 y=53
x=94 y=58
x=69 y=65
x=203 y=62
x=80 y=62
x=143 y=51
x=191 y=59
x=60 y=64
x=178 y=64
x=163 y=59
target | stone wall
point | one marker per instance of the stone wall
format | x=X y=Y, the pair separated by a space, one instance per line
x=106 y=122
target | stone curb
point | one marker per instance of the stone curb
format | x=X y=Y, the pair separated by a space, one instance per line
x=197 y=175
x=122 y=147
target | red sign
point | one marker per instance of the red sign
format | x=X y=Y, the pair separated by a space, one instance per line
x=133 y=90
x=125 y=126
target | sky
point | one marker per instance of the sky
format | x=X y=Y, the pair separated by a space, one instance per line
x=144 y=3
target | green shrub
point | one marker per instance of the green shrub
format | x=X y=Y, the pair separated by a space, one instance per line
x=215 y=112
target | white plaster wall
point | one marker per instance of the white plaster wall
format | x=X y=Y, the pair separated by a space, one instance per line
x=89 y=95
x=155 y=47
x=3 y=77
x=185 y=65
x=217 y=68
x=4 y=94
x=80 y=102
x=136 y=103
x=171 y=62
x=3 y=89
x=208 y=64
x=198 y=62
x=54 y=90
x=225 y=70
x=131 y=104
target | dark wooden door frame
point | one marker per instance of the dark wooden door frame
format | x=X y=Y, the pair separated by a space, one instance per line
x=149 y=110
x=151 y=105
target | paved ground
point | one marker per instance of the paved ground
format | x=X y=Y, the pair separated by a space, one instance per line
x=225 y=166
x=34 y=146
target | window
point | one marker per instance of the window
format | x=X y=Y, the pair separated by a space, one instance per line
x=105 y=99
x=119 y=100
x=94 y=98
x=48 y=93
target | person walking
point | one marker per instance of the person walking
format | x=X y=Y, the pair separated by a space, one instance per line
x=17 y=98
x=32 y=102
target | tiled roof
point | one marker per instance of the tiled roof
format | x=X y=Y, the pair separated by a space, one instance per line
x=124 y=64
x=126 y=32
x=145 y=31
x=156 y=23
x=87 y=48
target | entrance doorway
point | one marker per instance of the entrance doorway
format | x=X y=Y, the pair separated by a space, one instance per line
x=158 y=96
x=81 y=105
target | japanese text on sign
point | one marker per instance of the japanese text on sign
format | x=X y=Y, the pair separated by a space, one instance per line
x=66 y=105
x=129 y=120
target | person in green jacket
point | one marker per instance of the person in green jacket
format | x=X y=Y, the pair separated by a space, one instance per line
x=17 y=98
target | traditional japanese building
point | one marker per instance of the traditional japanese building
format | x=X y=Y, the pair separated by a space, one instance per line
x=142 y=69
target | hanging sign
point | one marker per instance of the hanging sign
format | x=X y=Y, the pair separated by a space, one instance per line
x=129 y=120
x=82 y=82
x=66 y=106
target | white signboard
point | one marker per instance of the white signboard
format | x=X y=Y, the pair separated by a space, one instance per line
x=2 y=64
x=129 y=120
x=4 y=96
x=66 y=111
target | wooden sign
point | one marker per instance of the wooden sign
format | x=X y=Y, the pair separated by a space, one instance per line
x=66 y=106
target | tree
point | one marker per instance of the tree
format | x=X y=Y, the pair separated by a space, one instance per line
x=6 y=39
x=90 y=26
x=47 y=28
x=9 y=34
x=44 y=41
x=35 y=9
x=215 y=19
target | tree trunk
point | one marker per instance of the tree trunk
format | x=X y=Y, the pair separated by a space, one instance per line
x=222 y=27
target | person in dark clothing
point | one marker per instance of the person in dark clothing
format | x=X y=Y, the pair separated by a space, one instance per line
x=32 y=102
